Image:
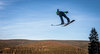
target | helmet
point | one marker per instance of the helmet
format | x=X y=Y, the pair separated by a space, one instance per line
x=57 y=10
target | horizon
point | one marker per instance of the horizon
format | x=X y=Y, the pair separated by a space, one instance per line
x=32 y=19
x=43 y=40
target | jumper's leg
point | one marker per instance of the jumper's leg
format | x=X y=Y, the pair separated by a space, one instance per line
x=68 y=20
x=62 y=21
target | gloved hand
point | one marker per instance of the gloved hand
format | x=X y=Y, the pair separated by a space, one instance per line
x=65 y=11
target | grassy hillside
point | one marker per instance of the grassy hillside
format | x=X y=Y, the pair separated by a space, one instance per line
x=13 y=43
x=44 y=47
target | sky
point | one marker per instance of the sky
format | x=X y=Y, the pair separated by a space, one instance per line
x=32 y=19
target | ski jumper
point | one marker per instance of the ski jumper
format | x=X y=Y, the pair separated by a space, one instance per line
x=61 y=15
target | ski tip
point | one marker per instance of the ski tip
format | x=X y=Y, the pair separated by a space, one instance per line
x=51 y=24
x=73 y=20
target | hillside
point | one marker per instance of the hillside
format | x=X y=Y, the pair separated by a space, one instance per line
x=13 y=43
x=44 y=47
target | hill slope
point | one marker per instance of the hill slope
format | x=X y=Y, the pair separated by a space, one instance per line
x=48 y=47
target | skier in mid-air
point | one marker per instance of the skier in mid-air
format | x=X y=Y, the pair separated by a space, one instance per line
x=61 y=15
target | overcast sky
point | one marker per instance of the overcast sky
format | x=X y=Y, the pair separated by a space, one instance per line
x=32 y=19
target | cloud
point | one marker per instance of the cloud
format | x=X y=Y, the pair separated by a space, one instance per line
x=2 y=4
x=27 y=29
